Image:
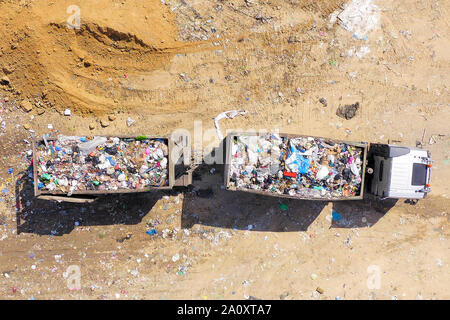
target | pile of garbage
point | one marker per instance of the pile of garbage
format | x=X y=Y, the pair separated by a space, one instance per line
x=72 y=163
x=306 y=167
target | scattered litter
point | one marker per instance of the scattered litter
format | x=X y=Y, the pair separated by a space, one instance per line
x=362 y=52
x=127 y=237
x=336 y=216
x=130 y=122
x=360 y=38
x=67 y=112
x=359 y=17
x=227 y=115
x=284 y=295
x=152 y=232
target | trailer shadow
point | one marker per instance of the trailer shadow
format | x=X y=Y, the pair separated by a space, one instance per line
x=45 y=217
x=206 y=203
x=209 y=204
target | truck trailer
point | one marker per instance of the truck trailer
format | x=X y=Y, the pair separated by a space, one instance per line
x=79 y=168
x=318 y=168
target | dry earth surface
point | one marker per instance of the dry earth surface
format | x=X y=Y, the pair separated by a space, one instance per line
x=169 y=63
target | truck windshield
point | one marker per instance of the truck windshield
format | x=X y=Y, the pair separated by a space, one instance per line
x=419 y=174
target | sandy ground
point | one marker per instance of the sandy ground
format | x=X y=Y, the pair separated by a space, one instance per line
x=168 y=65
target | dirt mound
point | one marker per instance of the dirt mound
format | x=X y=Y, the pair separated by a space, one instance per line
x=85 y=67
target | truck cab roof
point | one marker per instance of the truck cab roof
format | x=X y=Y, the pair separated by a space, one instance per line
x=401 y=172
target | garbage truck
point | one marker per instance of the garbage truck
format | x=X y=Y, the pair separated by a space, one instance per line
x=81 y=168
x=318 y=168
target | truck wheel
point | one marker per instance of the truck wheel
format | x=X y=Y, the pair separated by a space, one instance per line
x=369 y=170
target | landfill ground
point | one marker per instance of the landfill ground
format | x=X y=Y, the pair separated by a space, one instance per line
x=166 y=64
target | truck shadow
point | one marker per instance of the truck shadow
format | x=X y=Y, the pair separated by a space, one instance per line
x=207 y=203
x=210 y=204
x=359 y=214
x=44 y=217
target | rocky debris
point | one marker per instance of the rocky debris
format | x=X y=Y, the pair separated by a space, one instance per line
x=104 y=123
x=323 y=101
x=347 y=111
x=92 y=125
x=8 y=69
x=87 y=63
x=5 y=81
x=111 y=117
x=26 y=106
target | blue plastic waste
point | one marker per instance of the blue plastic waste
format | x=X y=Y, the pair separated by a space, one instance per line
x=151 y=232
x=336 y=216
x=111 y=161
x=302 y=163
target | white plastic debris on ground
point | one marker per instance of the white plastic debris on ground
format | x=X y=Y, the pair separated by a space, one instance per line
x=363 y=51
x=230 y=114
x=360 y=17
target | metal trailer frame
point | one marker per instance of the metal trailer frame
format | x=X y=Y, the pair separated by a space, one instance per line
x=229 y=141
x=183 y=179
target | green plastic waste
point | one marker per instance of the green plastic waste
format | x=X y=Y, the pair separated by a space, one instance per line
x=140 y=138
x=46 y=177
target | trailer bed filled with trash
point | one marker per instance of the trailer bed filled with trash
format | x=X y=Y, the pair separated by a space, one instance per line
x=100 y=165
x=295 y=166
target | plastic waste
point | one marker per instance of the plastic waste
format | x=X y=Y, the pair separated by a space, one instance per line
x=230 y=114
x=306 y=167
x=67 y=164
x=88 y=147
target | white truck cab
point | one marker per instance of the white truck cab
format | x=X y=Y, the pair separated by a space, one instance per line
x=399 y=172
